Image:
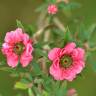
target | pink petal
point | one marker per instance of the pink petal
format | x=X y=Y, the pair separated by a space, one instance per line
x=54 y=53
x=12 y=60
x=78 y=54
x=69 y=47
x=68 y=74
x=26 y=57
x=78 y=66
x=14 y=36
x=81 y=53
x=6 y=48
x=55 y=70
x=25 y=38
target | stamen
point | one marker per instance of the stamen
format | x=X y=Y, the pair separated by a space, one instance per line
x=18 y=48
x=66 y=61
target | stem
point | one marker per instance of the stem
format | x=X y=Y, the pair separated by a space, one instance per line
x=92 y=49
x=30 y=93
x=59 y=24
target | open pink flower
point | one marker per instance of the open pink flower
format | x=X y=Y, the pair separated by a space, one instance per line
x=66 y=62
x=17 y=47
x=52 y=9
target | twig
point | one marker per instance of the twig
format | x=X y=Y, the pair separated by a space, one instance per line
x=59 y=24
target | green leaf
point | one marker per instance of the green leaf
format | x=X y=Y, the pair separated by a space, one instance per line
x=92 y=60
x=82 y=33
x=45 y=93
x=69 y=6
x=27 y=28
x=67 y=36
x=38 y=45
x=48 y=83
x=19 y=24
x=20 y=85
x=53 y=1
x=62 y=89
x=40 y=53
x=91 y=30
x=36 y=69
x=30 y=92
x=7 y=69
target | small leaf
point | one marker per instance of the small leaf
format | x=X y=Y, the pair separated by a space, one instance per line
x=20 y=85
x=7 y=69
x=30 y=92
x=36 y=69
x=27 y=28
x=92 y=60
x=62 y=89
x=69 y=6
x=19 y=24
x=82 y=33
x=40 y=53
x=67 y=36
x=53 y=1
x=45 y=93
x=91 y=29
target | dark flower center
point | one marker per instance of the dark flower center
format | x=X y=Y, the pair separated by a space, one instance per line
x=66 y=61
x=19 y=48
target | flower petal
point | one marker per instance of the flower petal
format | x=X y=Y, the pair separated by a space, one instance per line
x=53 y=53
x=68 y=74
x=55 y=70
x=78 y=66
x=81 y=53
x=14 y=36
x=26 y=57
x=12 y=60
x=78 y=54
x=25 y=38
x=69 y=47
x=6 y=48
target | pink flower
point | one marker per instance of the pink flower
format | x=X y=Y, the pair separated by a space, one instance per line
x=52 y=9
x=17 y=47
x=66 y=62
x=72 y=92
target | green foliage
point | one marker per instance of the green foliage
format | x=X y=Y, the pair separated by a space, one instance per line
x=30 y=92
x=67 y=36
x=69 y=6
x=27 y=28
x=36 y=69
x=20 y=85
x=92 y=60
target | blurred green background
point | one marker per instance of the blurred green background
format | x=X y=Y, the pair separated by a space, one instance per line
x=10 y=10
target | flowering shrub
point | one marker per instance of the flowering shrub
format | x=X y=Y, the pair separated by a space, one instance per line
x=59 y=54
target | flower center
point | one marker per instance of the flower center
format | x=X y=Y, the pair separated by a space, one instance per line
x=18 y=48
x=66 y=61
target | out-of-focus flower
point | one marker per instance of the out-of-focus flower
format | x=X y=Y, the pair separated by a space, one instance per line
x=66 y=62
x=52 y=9
x=72 y=92
x=17 y=47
